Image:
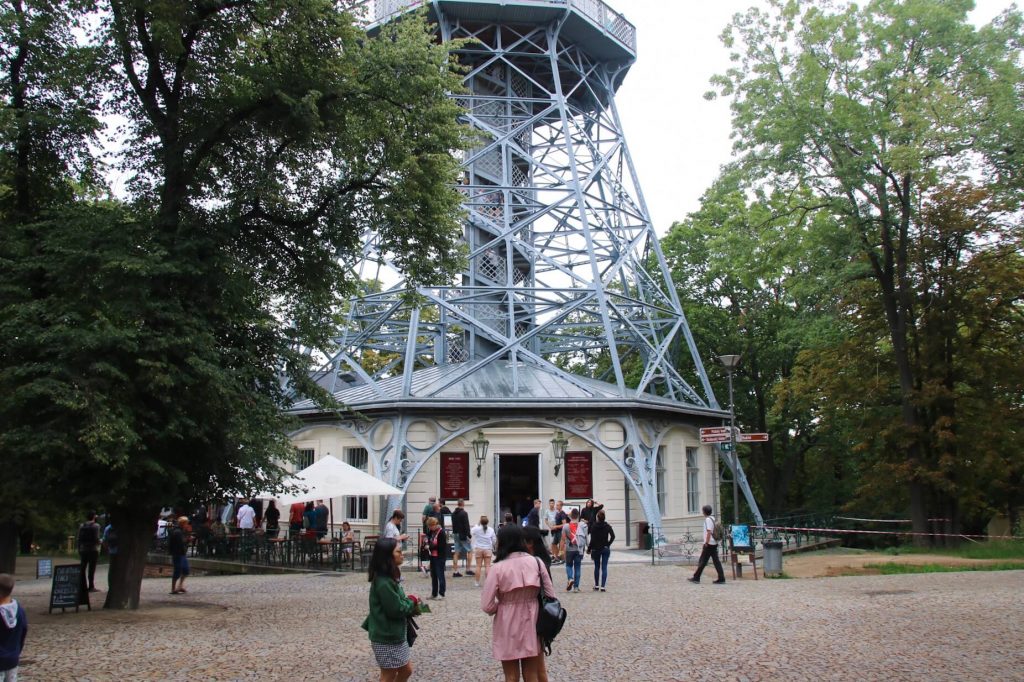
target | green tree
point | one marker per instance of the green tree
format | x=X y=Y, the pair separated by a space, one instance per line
x=756 y=284
x=873 y=110
x=264 y=139
x=47 y=119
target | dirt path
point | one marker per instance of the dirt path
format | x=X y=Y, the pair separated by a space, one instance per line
x=827 y=564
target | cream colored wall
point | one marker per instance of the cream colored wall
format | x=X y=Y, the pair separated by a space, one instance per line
x=608 y=481
x=327 y=441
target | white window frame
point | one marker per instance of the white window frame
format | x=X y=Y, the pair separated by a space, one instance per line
x=692 y=480
x=357 y=508
x=661 y=480
x=305 y=458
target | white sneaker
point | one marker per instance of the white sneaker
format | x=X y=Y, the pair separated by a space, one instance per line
x=476 y=584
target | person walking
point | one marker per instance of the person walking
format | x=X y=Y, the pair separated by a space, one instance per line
x=89 y=551
x=510 y=595
x=389 y=611
x=575 y=546
x=710 y=550
x=484 y=542
x=601 y=538
x=437 y=548
x=177 y=546
x=13 y=630
x=462 y=547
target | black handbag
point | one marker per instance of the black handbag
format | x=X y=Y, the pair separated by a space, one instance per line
x=410 y=630
x=550 y=616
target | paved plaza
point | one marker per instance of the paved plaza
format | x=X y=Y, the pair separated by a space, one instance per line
x=650 y=625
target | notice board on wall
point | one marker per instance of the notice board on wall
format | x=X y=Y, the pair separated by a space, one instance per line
x=579 y=475
x=455 y=475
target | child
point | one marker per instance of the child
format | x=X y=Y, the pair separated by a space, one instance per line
x=13 y=629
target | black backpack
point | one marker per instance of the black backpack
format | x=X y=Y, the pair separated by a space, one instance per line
x=550 y=617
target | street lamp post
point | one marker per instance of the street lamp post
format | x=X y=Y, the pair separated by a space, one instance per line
x=730 y=363
x=558 y=446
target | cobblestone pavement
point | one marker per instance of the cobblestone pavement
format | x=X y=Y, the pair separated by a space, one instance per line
x=650 y=625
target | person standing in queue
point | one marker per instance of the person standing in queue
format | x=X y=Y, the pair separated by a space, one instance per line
x=510 y=595
x=461 y=545
x=295 y=513
x=575 y=536
x=589 y=511
x=536 y=546
x=393 y=528
x=437 y=547
x=389 y=609
x=428 y=511
x=89 y=551
x=484 y=541
x=601 y=538
x=273 y=517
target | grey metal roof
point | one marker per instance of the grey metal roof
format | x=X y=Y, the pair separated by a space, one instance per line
x=496 y=384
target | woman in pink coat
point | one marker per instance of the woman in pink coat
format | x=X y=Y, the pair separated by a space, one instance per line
x=510 y=595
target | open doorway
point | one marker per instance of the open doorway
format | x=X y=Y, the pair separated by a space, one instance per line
x=518 y=485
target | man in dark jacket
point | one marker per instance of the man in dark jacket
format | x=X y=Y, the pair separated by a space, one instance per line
x=461 y=546
x=89 y=550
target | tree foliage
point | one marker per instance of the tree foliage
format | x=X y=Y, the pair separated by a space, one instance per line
x=264 y=139
x=900 y=121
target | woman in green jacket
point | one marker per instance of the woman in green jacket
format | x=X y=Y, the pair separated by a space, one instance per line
x=389 y=608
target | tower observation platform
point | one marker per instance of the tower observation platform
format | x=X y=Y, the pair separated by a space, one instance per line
x=566 y=318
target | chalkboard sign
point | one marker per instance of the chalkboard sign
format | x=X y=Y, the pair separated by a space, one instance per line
x=67 y=589
x=44 y=568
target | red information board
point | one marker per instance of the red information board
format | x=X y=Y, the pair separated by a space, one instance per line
x=579 y=475
x=455 y=475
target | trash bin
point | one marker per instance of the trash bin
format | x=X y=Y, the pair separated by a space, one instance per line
x=643 y=535
x=773 y=557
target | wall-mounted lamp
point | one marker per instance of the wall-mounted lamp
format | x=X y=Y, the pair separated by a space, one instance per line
x=480 y=445
x=558 y=445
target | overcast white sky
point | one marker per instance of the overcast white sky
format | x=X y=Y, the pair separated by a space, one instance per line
x=678 y=139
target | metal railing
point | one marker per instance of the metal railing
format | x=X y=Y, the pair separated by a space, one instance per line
x=289 y=549
x=370 y=12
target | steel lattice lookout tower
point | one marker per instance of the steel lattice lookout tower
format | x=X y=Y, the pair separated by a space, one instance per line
x=564 y=327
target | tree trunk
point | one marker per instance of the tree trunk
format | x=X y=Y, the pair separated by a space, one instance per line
x=8 y=546
x=135 y=528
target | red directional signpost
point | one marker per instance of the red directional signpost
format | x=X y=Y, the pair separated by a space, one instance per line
x=715 y=434
x=752 y=437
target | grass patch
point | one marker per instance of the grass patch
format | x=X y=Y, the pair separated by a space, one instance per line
x=996 y=549
x=901 y=569
x=780 y=576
